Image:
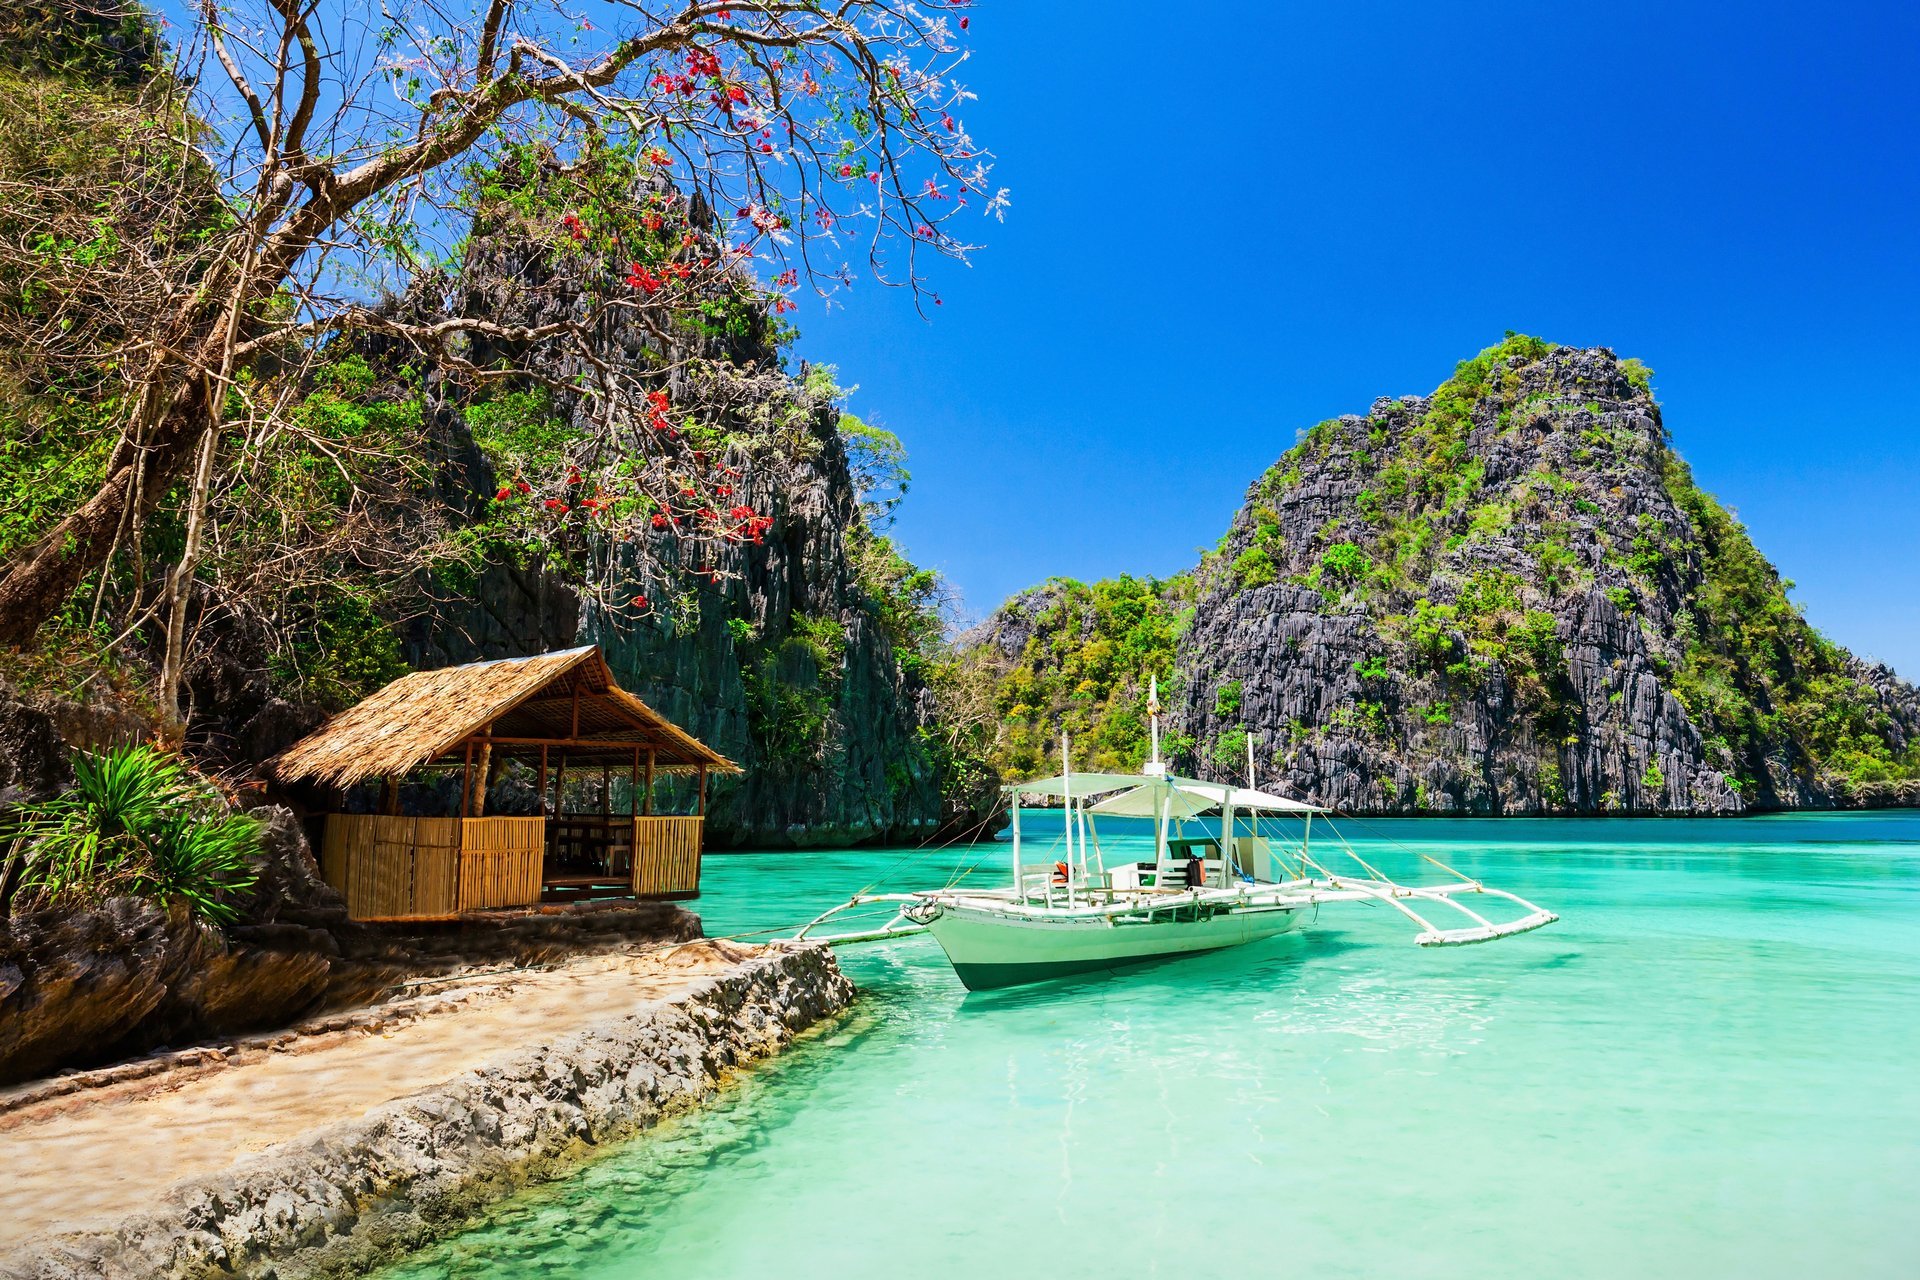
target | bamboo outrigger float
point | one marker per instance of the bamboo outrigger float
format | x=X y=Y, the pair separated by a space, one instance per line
x=1198 y=893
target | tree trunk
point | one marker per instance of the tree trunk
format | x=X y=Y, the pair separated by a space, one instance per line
x=173 y=662
x=38 y=580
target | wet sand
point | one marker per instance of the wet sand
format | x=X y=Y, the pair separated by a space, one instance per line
x=102 y=1153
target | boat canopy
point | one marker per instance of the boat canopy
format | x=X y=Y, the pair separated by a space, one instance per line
x=1145 y=802
x=1078 y=785
x=1140 y=795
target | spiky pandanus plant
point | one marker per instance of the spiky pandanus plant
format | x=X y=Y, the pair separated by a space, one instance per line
x=135 y=822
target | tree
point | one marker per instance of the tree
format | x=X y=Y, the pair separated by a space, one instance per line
x=303 y=175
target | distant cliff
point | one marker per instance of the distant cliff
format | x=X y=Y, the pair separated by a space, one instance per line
x=1507 y=597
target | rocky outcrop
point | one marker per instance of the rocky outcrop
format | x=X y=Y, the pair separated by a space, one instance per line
x=345 y=1198
x=1507 y=597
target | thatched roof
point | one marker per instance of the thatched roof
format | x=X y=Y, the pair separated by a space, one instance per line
x=567 y=701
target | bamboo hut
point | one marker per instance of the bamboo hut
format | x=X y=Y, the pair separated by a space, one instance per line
x=565 y=717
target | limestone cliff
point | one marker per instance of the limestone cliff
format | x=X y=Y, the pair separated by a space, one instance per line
x=789 y=659
x=1507 y=597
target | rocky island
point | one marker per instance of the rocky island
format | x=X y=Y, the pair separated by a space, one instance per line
x=1505 y=597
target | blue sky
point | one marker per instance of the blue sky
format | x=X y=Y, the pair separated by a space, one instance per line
x=1228 y=227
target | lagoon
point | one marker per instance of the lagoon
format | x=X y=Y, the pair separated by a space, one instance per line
x=1707 y=1069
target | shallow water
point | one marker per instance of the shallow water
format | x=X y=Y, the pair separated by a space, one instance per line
x=1710 y=1067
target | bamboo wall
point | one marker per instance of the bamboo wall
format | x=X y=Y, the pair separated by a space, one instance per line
x=500 y=862
x=666 y=857
x=400 y=868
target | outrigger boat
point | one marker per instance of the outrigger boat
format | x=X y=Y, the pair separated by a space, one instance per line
x=1074 y=913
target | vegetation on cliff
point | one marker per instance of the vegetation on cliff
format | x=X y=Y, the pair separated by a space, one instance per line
x=1078 y=659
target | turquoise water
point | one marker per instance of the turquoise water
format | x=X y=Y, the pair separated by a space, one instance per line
x=1710 y=1068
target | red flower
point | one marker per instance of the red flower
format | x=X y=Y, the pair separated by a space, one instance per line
x=639 y=602
x=846 y=171
x=524 y=487
x=736 y=94
x=963 y=24
x=506 y=491
x=724 y=491
x=555 y=505
x=659 y=521
x=642 y=279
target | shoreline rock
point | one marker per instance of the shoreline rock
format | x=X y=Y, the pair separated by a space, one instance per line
x=352 y=1195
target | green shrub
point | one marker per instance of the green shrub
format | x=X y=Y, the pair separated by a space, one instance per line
x=1226 y=700
x=1345 y=562
x=1254 y=568
x=135 y=823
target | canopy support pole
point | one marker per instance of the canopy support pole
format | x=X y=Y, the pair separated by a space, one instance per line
x=646 y=807
x=466 y=781
x=702 y=809
x=1019 y=893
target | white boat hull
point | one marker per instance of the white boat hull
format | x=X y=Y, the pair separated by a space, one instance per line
x=991 y=949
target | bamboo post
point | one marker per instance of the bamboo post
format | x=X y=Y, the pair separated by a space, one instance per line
x=560 y=786
x=390 y=796
x=702 y=810
x=541 y=790
x=466 y=780
x=606 y=791
x=633 y=786
x=479 y=806
x=647 y=802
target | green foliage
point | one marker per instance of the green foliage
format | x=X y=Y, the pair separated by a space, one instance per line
x=1430 y=634
x=1638 y=375
x=1085 y=669
x=1254 y=568
x=1226 y=699
x=1344 y=562
x=1230 y=752
x=136 y=823
x=878 y=463
x=1438 y=713
x=1756 y=672
x=1653 y=779
x=337 y=650
x=792 y=685
x=1373 y=668
x=519 y=432
x=1553 y=789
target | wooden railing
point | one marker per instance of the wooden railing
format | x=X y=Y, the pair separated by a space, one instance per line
x=400 y=868
x=666 y=857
